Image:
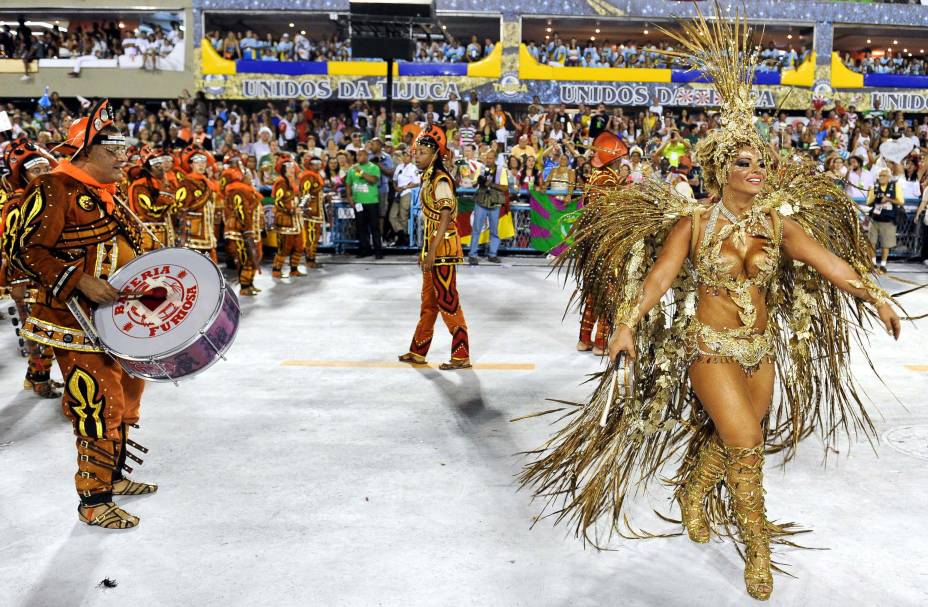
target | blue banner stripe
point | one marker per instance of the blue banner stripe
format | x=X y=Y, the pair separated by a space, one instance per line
x=285 y=68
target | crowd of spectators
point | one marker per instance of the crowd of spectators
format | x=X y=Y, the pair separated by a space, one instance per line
x=101 y=40
x=629 y=53
x=890 y=62
x=302 y=47
x=540 y=146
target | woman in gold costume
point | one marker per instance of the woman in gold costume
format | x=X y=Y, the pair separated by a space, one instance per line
x=771 y=279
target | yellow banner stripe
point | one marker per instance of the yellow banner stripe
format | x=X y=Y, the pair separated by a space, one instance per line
x=380 y=364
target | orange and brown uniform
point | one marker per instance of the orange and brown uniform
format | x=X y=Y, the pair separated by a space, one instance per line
x=153 y=201
x=287 y=222
x=196 y=208
x=67 y=226
x=21 y=289
x=243 y=213
x=439 y=286
x=313 y=214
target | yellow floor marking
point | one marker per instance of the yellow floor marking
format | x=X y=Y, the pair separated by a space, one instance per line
x=917 y=368
x=380 y=364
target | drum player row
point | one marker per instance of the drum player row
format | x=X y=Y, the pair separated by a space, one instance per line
x=183 y=198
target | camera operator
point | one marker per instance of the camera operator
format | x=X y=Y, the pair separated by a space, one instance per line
x=492 y=186
x=885 y=202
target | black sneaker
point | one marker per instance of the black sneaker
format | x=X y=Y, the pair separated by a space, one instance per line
x=493 y=259
x=378 y=256
x=473 y=261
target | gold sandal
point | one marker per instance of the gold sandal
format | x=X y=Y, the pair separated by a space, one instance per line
x=456 y=363
x=110 y=516
x=744 y=478
x=126 y=487
x=413 y=359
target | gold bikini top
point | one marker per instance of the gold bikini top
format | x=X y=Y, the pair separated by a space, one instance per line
x=715 y=270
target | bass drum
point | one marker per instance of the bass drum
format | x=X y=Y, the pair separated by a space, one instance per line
x=178 y=317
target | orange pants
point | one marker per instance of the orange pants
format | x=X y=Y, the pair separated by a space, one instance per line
x=288 y=245
x=246 y=268
x=440 y=295
x=586 y=328
x=101 y=400
x=312 y=232
x=41 y=357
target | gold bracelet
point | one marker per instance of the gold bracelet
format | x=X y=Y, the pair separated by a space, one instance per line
x=627 y=314
x=867 y=284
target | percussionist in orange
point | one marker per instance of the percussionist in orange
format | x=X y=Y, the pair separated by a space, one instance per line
x=69 y=235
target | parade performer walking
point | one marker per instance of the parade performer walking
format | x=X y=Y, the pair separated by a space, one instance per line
x=287 y=218
x=312 y=208
x=441 y=252
x=152 y=198
x=243 y=211
x=69 y=235
x=609 y=151
x=24 y=162
x=773 y=277
x=196 y=204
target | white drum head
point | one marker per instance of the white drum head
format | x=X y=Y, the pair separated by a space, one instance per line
x=184 y=292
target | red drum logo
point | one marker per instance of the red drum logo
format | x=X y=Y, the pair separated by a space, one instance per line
x=158 y=300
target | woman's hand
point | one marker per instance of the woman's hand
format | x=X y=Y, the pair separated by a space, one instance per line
x=622 y=340
x=890 y=319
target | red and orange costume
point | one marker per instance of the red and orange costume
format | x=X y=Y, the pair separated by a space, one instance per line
x=70 y=225
x=608 y=150
x=313 y=212
x=439 y=285
x=153 y=201
x=243 y=212
x=288 y=221
x=20 y=158
x=196 y=204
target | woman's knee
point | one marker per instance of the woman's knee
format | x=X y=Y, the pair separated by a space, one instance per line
x=744 y=437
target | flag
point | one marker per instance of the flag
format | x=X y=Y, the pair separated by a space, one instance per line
x=552 y=219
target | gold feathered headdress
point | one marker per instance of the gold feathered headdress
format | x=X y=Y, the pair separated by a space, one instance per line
x=722 y=49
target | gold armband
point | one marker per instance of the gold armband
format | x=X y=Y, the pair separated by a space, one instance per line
x=879 y=296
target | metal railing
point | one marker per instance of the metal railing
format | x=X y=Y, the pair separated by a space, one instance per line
x=339 y=233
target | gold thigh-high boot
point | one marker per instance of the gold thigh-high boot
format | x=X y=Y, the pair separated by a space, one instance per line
x=744 y=476
x=706 y=473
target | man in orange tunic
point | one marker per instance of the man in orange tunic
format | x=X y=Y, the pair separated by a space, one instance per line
x=311 y=205
x=441 y=252
x=196 y=203
x=151 y=198
x=25 y=162
x=242 y=226
x=69 y=235
x=287 y=219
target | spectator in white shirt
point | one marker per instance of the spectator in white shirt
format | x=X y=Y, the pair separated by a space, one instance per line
x=406 y=179
x=859 y=180
x=262 y=146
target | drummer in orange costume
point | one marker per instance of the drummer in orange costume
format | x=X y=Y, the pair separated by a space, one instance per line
x=151 y=197
x=196 y=202
x=311 y=204
x=25 y=162
x=70 y=235
x=242 y=226
x=287 y=218
x=609 y=151
x=441 y=251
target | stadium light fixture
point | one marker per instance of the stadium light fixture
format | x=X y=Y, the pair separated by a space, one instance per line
x=895 y=42
x=122 y=25
x=868 y=40
x=593 y=38
x=302 y=32
x=548 y=30
x=789 y=36
x=291 y=25
x=905 y=50
x=646 y=32
x=597 y=30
